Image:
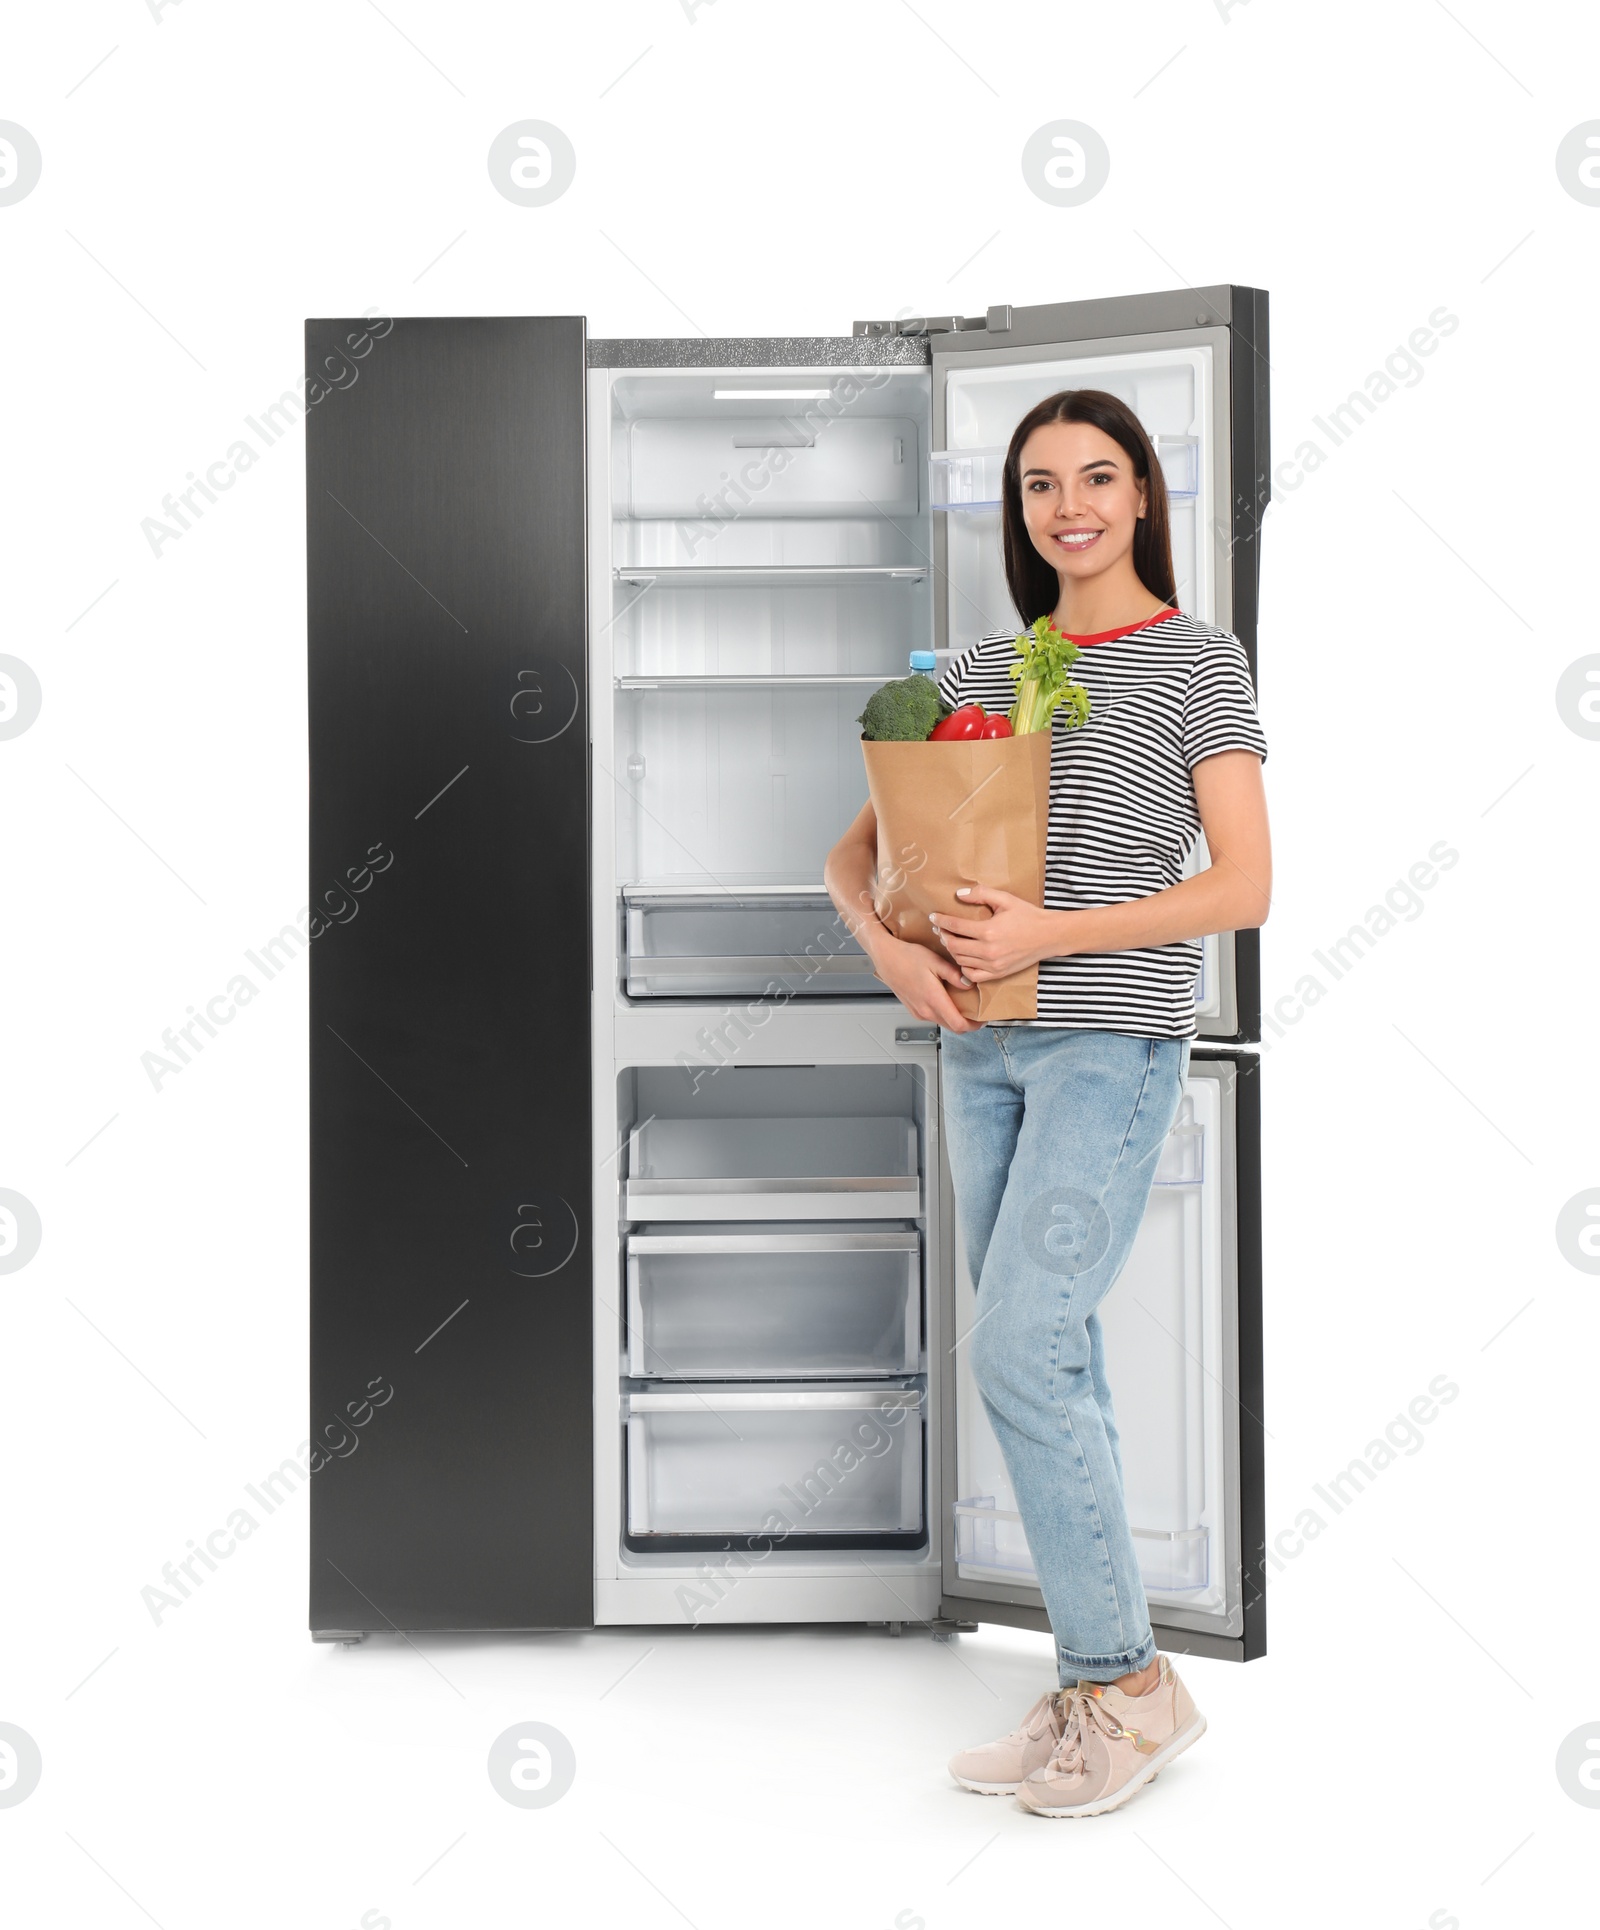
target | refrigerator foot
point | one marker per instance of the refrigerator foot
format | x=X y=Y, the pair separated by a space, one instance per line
x=350 y=1637
x=943 y=1628
x=893 y=1627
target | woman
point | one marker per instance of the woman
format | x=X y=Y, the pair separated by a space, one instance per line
x=1055 y=1126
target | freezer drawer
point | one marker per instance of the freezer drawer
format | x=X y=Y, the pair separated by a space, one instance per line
x=818 y=1466
x=728 y=946
x=746 y=1168
x=785 y=1303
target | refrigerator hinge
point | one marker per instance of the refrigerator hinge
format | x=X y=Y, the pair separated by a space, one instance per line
x=916 y=1035
x=921 y=325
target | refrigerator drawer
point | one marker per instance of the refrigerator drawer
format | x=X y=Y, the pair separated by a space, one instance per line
x=788 y=466
x=773 y=1169
x=778 y=1304
x=678 y=945
x=820 y=1466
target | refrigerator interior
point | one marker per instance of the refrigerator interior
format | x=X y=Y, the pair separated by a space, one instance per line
x=1173 y=393
x=1164 y=1324
x=769 y=567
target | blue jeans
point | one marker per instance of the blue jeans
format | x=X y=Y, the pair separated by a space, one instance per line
x=1054 y=1136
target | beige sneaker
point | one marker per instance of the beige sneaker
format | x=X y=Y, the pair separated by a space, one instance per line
x=996 y=1768
x=1111 y=1745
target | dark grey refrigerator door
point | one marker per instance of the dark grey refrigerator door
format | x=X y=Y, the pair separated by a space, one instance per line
x=450 y=1420
x=1193 y=364
x=1182 y=1332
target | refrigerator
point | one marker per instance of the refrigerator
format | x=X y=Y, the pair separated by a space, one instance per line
x=629 y=1193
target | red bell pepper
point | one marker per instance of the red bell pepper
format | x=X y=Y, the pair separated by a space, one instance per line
x=996 y=727
x=960 y=726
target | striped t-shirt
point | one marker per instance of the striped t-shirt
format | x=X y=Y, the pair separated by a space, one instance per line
x=1123 y=818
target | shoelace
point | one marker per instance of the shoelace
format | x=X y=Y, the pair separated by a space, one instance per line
x=1041 y=1718
x=1083 y=1711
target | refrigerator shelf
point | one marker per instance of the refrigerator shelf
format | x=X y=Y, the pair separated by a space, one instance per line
x=643 y=889
x=744 y=1168
x=732 y=965
x=777 y=576
x=773 y=1400
x=774 y=680
x=813 y=1240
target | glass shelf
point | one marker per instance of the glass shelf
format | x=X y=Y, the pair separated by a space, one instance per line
x=734 y=889
x=822 y=576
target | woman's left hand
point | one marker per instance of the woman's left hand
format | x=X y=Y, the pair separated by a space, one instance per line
x=1016 y=936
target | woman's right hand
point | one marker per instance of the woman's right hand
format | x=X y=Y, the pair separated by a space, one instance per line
x=917 y=977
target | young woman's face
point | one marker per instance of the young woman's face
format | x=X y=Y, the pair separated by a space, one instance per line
x=1081 y=500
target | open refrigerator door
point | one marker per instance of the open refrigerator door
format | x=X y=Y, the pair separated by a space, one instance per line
x=1183 y=1322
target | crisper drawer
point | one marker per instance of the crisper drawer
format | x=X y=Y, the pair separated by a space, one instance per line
x=681 y=946
x=782 y=1303
x=773 y=1169
x=817 y=1466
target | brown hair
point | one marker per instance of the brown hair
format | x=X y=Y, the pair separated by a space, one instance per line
x=1035 y=586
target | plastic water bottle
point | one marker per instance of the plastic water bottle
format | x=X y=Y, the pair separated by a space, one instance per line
x=924 y=664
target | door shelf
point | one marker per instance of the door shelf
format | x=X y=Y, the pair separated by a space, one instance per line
x=773 y=1168
x=965 y=478
x=815 y=1467
x=780 y=1304
x=760 y=576
x=1180 y=463
x=972 y=479
x=1183 y=1156
x=990 y=1546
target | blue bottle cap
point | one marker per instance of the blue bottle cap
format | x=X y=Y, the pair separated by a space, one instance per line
x=923 y=660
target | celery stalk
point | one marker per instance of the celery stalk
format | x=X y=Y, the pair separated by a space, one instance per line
x=1044 y=659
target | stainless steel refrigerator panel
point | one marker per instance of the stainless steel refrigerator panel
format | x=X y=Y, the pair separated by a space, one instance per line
x=450 y=1228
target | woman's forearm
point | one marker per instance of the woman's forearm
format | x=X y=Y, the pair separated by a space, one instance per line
x=1219 y=899
x=849 y=876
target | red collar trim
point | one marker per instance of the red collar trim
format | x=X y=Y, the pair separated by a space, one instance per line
x=1127 y=629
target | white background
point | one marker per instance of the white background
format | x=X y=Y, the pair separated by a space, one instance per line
x=230 y=169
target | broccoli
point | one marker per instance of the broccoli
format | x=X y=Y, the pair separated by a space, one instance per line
x=903 y=712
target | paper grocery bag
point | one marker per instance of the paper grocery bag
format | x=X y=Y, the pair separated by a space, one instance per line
x=971 y=813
